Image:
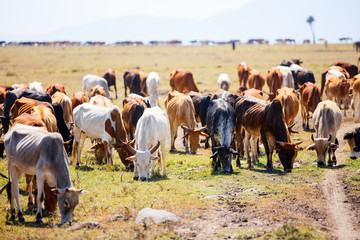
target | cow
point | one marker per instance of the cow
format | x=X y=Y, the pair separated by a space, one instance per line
x=110 y=77
x=309 y=99
x=353 y=139
x=243 y=71
x=220 y=93
x=2 y=95
x=339 y=89
x=133 y=82
x=6 y=87
x=224 y=81
x=287 y=63
x=256 y=80
x=77 y=99
x=326 y=120
x=20 y=86
x=332 y=72
x=99 y=100
x=47 y=116
x=30 y=120
x=220 y=124
x=274 y=80
x=350 y=68
x=182 y=81
x=356 y=93
x=97 y=90
x=55 y=88
x=152 y=84
x=290 y=103
x=288 y=79
x=90 y=81
x=47 y=160
x=102 y=123
x=36 y=86
x=132 y=111
x=151 y=131
x=253 y=92
x=180 y=111
x=144 y=99
x=65 y=103
x=301 y=75
x=143 y=77
x=259 y=118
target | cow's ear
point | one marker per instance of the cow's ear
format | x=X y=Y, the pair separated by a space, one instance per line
x=349 y=135
x=80 y=191
x=132 y=158
x=58 y=191
x=204 y=134
x=311 y=147
x=154 y=158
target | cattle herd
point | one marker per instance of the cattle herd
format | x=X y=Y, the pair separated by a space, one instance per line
x=48 y=127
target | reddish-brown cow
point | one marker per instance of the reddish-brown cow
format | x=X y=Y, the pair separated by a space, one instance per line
x=309 y=98
x=182 y=81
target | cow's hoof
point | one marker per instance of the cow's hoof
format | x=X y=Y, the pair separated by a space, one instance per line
x=269 y=169
x=172 y=150
x=30 y=205
x=136 y=178
x=13 y=217
x=39 y=221
x=21 y=219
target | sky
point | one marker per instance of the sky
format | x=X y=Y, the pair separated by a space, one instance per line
x=21 y=17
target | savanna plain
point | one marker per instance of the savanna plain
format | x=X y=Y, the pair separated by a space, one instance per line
x=250 y=203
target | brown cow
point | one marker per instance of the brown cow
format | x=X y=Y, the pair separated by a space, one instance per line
x=339 y=89
x=55 y=88
x=97 y=90
x=110 y=77
x=133 y=109
x=253 y=92
x=243 y=71
x=77 y=99
x=180 y=110
x=182 y=81
x=350 y=68
x=309 y=98
x=332 y=72
x=65 y=103
x=47 y=115
x=356 y=93
x=290 y=103
x=25 y=105
x=256 y=80
x=132 y=81
x=274 y=80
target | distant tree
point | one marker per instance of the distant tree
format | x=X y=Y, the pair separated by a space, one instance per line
x=310 y=20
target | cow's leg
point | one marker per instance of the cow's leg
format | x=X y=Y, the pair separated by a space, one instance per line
x=239 y=145
x=107 y=149
x=269 y=165
x=303 y=116
x=254 y=149
x=307 y=119
x=163 y=159
x=333 y=159
x=115 y=90
x=40 y=189
x=246 y=145
x=173 y=133
x=186 y=143
x=29 y=189
x=136 y=173
x=81 y=145
x=353 y=101
x=15 y=177
x=329 y=158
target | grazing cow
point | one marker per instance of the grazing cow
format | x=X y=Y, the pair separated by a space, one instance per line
x=224 y=81
x=182 y=81
x=259 y=118
x=65 y=103
x=274 y=80
x=353 y=139
x=309 y=99
x=256 y=80
x=77 y=99
x=288 y=79
x=253 y=92
x=243 y=71
x=290 y=103
x=338 y=88
x=333 y=72
x=152 y=84
x=90 y=81
x=36 y=86
x=110 y=77
x=55 y=88
x=180 y=111
x=45 y=158
x=12 y=96
x=350 y=68
x=97 y=90
x=288 y=63
x=133 y=82
x=326 y=120
x=99 y=123
x=356 y=93
x=220 y=124
x=131 y=113
x=151 y=131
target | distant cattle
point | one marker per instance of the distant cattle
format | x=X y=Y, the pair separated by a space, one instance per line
x=224 y=81
x=326 y=120
x=90 y=81
x=350 y=68
x=290 y=103
x=182 y=81
x=256 y=80
x=77 y=99
x=55 y=88
x=274 y=80
x=288 y=79
x=110 y=77
x=243 y=71
x=36 y=86
x=353 y=139
x=152 y=84
x=288 y=63
x=133 y=109
x=339 y=89
x=309 y=99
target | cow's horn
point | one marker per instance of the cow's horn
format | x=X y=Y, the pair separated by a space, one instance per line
x=312 y=137
x=280 y=143
x=298 y=143
x=202 y=129
x=121 y=142
x=214 y=155
x=184 y=127
x=131 y=149
x=329 y=137
x=155 y=148
x=233 y=151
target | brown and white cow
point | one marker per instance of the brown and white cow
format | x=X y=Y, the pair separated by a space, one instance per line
x=182 y=81
x=309 y=99
x=180 y=111
x=350 y=68
x=290 y=103
x=77 y=99
x=97 y=90
x=243 y=71
x=339 y=89
x=353 y=139
x=274 y=80
x=332 y=72
x=256 y=80
x=55 y=88
x=133 y=109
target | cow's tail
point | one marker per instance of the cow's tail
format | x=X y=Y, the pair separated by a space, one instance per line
x=7 y=187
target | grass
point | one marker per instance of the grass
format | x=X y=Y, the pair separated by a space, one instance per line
x=112 y=190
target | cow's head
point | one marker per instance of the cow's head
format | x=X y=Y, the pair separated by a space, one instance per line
x=68 y=198
x=225 y=155
x=353 y=139
x=142 y=160
x=194 y=136
x=124 y=152
x=287 y=154
x=321 y=146
x=99 y=151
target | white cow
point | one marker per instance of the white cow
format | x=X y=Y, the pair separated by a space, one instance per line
x=288 y=79
x=151 y=131
x=33 y=151
x=152 y=83
x=90 y=81
x=327 y=119
x=224 y=81
x=36 y=86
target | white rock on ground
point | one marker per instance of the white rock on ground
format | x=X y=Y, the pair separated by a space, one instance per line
x=148 y=216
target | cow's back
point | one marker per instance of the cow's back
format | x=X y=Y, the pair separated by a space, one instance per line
x=181 y=109
x=310 y=96
x=327 y=119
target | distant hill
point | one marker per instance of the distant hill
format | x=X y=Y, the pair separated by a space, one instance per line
x=257 y=19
